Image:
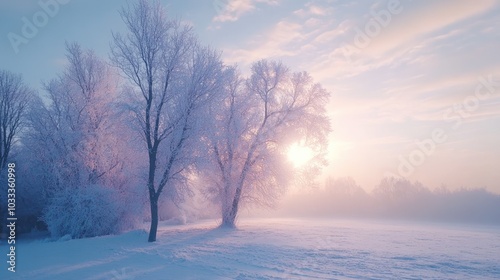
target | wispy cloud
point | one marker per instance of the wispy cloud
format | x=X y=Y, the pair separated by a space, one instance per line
x=280 y=41
x=313 y=9
x=232 y=10
x=428 y=17
x=300 y=34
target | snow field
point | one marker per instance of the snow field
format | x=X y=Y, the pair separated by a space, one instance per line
x=270 y=249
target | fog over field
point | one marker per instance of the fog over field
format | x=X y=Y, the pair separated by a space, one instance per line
x=394 y=199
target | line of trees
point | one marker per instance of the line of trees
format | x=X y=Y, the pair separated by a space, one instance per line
x=394 y=198
x=166 y=113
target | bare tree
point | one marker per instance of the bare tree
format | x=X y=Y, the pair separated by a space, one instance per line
x=253 y=125
x=172 y=77
x=14 y=98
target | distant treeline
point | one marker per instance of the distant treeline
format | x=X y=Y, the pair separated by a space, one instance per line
x=395 y=198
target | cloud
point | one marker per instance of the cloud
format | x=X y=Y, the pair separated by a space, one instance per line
x=412 y=36
x=311 y=9
x=279 y=41
x=413 y=23
x=331 y=34
x=232 y=10
x=298 y=35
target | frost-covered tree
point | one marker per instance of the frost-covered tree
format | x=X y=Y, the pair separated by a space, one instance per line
x=72 y=126
x=253 y=125
x=171 y=78
x=75 y=143
x=14 y=99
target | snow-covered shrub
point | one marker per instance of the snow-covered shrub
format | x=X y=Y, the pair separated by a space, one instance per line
x=83 y=212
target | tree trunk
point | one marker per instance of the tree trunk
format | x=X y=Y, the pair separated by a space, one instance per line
x=154 y=218
x=229 y=218
x=153 y=198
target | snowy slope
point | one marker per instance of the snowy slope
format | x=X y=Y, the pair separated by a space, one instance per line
x=270 y=249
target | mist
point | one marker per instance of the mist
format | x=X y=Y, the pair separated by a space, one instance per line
x=392 y=199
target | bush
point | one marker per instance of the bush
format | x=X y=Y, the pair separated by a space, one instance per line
x=83 y=212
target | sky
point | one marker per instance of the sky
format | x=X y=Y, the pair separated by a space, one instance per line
x=415 y=84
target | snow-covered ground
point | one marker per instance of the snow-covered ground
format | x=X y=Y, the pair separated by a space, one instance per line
x=270 y=249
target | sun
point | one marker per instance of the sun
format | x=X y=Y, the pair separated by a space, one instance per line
x=299 y=154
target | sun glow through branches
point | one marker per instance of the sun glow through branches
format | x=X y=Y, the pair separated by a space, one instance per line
x=299 y=154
